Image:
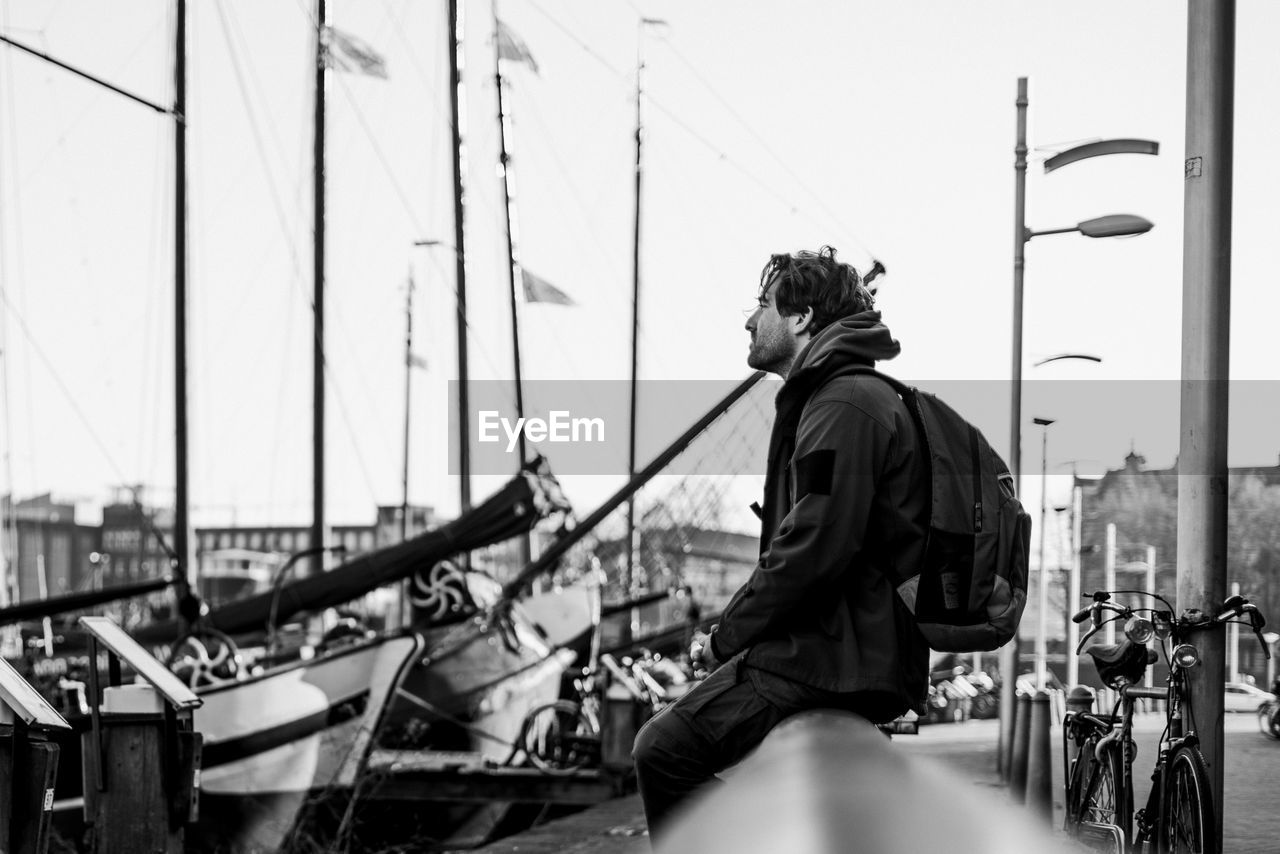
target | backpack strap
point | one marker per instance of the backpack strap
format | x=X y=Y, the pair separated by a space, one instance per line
x=904 y=390
x=975 y=453
x=911 y=400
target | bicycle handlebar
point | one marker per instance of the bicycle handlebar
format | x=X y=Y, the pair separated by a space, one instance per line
x=1231 y=608
x=1234 y=606
x=1142 y=692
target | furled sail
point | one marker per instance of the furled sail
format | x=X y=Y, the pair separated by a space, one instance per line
x=514 y=509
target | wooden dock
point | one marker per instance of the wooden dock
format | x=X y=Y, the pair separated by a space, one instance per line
x=613 y=827
x=466 y=777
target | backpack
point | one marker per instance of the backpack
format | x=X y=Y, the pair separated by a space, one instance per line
x=971 y=587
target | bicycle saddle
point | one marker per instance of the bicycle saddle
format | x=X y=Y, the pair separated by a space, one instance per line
x=1125 y=661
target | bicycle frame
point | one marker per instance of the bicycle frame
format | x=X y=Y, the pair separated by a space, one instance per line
x=1147 y=819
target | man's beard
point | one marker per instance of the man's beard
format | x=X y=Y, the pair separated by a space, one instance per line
x=771 y=355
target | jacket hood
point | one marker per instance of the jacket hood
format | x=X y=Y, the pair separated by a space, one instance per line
x=857 y=339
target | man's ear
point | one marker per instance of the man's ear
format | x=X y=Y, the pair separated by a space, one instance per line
x=802 y=321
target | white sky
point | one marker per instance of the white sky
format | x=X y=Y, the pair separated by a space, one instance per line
x=885 y=129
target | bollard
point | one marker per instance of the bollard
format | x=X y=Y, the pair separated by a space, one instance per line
x=1039 y=790
x=1080 y=699
x=625 y=711
x=141 y=758
x=28 y=765
x=1018 y=756
x=618 y=727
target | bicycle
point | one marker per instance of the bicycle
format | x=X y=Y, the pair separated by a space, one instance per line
x=1269 y=719
x=1098 y=750
x=565 y=736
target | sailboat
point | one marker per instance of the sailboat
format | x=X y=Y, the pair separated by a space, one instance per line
x=299 y=743
x=299 y=727
x=302 y=725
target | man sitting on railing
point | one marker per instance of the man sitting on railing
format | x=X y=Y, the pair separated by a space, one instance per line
x=818 y=623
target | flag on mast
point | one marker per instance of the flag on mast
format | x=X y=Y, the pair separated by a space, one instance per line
x=345 y=52
x=512 y=47
x=537 y=289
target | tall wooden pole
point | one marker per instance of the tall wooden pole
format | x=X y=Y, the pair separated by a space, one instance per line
x=408 y=406
x=1009 y=652
x=629 y=580
x=456 y=62
x=317 y=348
x=182 y=497
x=513 y=260
x=1206 y=315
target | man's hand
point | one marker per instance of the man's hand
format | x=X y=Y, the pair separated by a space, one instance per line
x=700 y=653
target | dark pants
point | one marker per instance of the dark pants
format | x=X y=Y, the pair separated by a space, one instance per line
x=680 y=750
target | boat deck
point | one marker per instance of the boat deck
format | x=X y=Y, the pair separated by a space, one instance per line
x=465 y=777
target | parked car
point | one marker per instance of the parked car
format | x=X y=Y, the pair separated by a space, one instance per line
x=1242 y=697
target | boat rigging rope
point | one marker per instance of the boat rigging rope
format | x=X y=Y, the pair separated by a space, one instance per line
x=786 y=167
x=720 y=154
x=453 y=719
x=62 y=386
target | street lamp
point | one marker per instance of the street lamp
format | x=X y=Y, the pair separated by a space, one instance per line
x=1058 y=358
x=1043 y=592
x=1111 y=226
x=1042 y=655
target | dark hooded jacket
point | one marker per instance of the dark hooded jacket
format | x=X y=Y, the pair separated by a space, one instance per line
x=845 y=505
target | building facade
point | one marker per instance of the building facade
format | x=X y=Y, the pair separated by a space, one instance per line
x=52 y=554
x=48 y=551
x=1139 y=506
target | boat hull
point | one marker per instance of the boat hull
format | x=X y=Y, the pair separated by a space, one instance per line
x=285 y=751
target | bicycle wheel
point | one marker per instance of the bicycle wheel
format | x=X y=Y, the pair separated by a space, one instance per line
x=1100 y=802
x=560 y=737
x=1186 y=811
x=1078 y=769
x=1268 y=720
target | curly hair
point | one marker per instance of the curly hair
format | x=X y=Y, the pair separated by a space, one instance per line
x=815 y=280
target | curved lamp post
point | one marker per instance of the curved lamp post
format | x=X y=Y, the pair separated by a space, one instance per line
x=1073 y=596
x=1111 y=225
x=1116 y=225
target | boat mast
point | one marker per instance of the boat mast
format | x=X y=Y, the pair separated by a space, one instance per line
x=408 y=387
x=632 y=543
x=179 y=555
x=513 y=261
x=181 y=515
x=317 y=367
x=628 y=581
x=456 y=62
